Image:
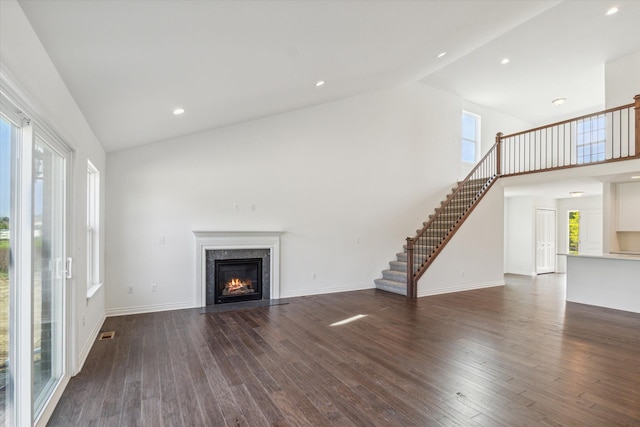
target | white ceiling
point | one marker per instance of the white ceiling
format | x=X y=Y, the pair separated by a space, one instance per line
x=557 y=189
x=559 y=53
x=551 y=186
x=128 y=64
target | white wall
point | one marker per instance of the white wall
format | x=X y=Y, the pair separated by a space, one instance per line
x=519 y=235
x=368 y=168
x=473 y=258
x=610 y=217
x=622 y=83
x=31 y=72
x=28 y=74
x=622 y=80
x=520 y=232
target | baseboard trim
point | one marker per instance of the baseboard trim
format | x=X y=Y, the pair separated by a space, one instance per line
x=125 y=311
x=461 y=288
x=332 y=290
x=88 y=345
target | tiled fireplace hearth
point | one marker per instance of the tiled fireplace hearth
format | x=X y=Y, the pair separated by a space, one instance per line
x=253 y=256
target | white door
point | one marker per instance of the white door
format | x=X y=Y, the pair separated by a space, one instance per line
x=545 y=241
x=590 y=232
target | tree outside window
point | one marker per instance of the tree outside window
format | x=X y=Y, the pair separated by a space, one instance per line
x=574 y=232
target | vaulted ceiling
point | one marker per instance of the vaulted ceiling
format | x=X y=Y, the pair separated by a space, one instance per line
x=129 y=64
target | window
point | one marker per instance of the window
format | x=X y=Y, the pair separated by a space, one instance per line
x=470 y=137
x=93 y=229
x=574 y=232
x=591 y=139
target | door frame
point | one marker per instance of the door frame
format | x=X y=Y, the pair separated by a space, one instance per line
x=17 y=108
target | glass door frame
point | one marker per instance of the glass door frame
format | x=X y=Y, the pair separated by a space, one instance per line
x=20 y=396
x=43 y=137
x=19 y=406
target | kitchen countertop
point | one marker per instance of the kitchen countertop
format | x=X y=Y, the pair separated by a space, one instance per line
x=628 y=256
x=626 y=252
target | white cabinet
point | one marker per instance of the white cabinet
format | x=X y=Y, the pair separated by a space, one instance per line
x=629 y=206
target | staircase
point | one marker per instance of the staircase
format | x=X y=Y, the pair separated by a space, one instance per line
x=437 y=230
x=540 y=149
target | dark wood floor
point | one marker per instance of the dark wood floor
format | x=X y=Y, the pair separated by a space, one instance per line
x=516 y=355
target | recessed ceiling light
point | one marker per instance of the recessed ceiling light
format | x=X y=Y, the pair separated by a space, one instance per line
x=319 y=83
x=558 y=101
x=612 y=11
x=635 y=177
x=441 y=54
x=178 y=111
x=576 y=193
x=504 y=61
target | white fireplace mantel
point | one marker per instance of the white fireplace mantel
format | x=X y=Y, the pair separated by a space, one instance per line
x=216 y=240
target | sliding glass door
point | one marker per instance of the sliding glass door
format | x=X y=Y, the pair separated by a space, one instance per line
x=48 y=269
x=8 y=133
x=33 y=181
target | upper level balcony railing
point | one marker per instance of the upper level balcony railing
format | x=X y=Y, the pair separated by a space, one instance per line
x=606 y=136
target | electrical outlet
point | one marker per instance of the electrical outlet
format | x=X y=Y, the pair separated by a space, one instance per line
x=161 y=240
x=130 y=289
x=313 y=276
x=154 y=287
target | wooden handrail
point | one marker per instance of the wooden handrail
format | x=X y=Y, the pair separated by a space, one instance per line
x=601 y=137
x=637 y=109
x=498 y=153
x=564 y=122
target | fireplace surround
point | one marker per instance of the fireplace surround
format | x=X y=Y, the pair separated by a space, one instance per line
x=234 y=245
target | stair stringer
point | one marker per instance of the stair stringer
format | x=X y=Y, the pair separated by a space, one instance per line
x=474 y=257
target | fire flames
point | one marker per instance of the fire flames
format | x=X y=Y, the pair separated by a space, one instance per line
x=238 y=287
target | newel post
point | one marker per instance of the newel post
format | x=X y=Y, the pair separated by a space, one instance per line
x=499 y=153
x=637 y=108
x=411 y=285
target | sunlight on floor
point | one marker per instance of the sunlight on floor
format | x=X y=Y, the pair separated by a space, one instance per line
x=349 y=320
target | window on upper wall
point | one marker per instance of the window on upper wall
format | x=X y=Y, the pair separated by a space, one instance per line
x=93 y=228
x=591 y=139
x=470 y=137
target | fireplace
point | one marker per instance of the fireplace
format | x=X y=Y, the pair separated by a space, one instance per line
x=212 y=246
x=235 y=275
x=237 y=280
